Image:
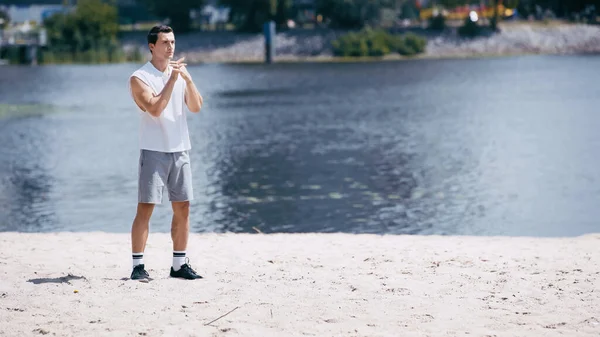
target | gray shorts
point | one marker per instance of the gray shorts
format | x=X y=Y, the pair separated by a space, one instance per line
x=158 y=170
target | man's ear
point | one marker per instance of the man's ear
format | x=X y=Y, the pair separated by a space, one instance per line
x=151 y=46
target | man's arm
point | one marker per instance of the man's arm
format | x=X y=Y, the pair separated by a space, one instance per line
x=193 y=99
x=147 y=100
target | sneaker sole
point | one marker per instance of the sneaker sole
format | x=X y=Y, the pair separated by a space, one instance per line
x=184 y=278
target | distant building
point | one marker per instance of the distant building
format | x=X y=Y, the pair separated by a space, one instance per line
x=211 y=14
x=32 y=12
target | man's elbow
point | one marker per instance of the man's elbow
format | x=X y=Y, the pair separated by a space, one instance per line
x=154 y=112
x=156 y=109
x=195 y=108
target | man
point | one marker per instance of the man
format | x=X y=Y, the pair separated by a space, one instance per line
x=160 y=88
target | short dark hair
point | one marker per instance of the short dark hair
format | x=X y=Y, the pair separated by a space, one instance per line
x=153 y=33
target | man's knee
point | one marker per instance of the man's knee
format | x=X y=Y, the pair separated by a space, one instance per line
x=144 y=211
x=181 y=209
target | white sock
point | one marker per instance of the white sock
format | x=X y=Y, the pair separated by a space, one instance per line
x=138 y=258
x=178 y=260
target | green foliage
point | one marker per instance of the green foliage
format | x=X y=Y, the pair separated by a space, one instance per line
x=12 y=54
x=86 y=35
x=409 y=11
x=135 y=56
x=377 y=42
x=283 y=11
x=415 y=43
x=250 y=15
x=352 y=13
x=93 y=25
x=178 y=12
x=469 y=29
x=4 y=19
x=91 y=56
x=511 y=3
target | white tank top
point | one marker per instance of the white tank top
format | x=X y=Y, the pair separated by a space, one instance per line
x=169 y=131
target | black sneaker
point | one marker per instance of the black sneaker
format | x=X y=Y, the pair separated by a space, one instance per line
x=139 y=273
x=185 y=272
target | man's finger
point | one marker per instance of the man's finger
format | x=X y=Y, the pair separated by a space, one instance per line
x=178 y=65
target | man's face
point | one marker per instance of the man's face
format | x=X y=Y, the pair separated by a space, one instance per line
x=164 y=47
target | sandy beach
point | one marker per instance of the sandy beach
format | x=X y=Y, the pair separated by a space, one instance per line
x=76 y=284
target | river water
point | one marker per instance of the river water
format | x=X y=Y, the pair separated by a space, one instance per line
x=505 y=146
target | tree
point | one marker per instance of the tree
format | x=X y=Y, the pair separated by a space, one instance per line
x=283 y=12
x=352 y=13
x=453 y=3
x=4 y=19
x=250 y=15
x=93 y=25
x=177 y=11
x=511 y=3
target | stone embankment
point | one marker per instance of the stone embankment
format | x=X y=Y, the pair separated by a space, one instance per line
x=514 y=38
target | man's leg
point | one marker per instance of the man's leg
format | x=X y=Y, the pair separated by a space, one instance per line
x=180 y=226
x=139 y=236
x=140 y=227
x=151 y=180
x=180 y=193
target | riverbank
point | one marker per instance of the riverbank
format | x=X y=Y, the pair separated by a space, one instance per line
x=69 y=284
x=515 y=38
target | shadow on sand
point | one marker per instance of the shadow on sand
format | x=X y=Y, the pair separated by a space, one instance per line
x=62 y=279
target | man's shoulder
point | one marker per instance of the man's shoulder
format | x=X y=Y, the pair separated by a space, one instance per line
x=141 y=70
x=141 y=74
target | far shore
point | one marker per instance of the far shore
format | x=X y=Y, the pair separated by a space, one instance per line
x=366 y=59
x=514 y=39
x=76 y=284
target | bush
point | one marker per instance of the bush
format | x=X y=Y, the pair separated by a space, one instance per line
x=415 y=43
x=350 y=45
x=469 y=29
x=369 y=42
x=378 y=48
x=12 y=54
x=135 y=55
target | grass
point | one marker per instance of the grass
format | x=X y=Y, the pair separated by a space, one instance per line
x=95 y=56
x=101 y=56
x=14 y=110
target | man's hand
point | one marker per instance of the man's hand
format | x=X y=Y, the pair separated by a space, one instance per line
x=178 y=68
x=192 y=97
